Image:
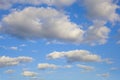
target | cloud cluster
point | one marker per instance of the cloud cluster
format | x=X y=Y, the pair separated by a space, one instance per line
x=29 y=74
x=6 y=61
x=6 y=4
x=75 y=56
x=102 y=11
x=51 y=24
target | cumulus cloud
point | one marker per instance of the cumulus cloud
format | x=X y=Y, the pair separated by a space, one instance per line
x=53 y=25
x=44 y=66
x=45 y=23
x=75 y=56
x=6 y=4
x=6 y=61
x=86 y=68
x=29 y=74
x=97 y=33
x=102 y=10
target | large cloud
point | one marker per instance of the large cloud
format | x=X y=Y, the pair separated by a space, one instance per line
x=75 y=56
x=45 y=23
x=8 y=61
x=6 y=4
x=48 y=23
x=102 y=10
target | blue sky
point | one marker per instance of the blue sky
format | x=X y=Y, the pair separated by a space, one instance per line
x=59 y=39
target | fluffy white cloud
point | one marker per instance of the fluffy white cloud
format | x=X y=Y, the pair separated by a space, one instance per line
x=86 y=68
x=75 y=56
x=53 y=25
x=44 y=66
x=47 y=23
x=97 y=34
x=5 y=4
x=29 y=74
x=102 y=10
x=8 y=61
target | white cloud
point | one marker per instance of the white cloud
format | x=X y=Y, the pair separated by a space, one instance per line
x=6 y=61
x=10 y=71
x=86 y=68
x=44 y=66
x=29 y=74
x=53 y=25
x=75 y=56
x=97 y=33
x=102 y=10
x=6 y=4
x=45 y=23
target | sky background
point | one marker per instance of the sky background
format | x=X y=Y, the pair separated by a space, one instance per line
x=59 y=39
